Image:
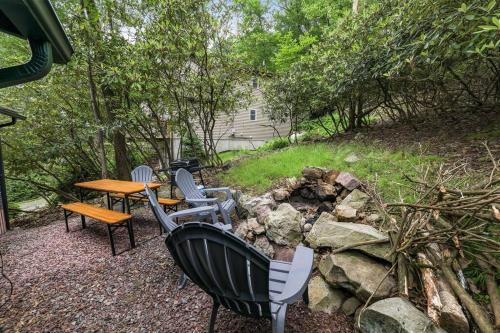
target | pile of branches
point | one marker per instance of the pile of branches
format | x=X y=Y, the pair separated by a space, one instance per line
x=446 y=231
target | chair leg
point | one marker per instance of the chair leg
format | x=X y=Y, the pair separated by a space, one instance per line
x=213 y=316
x=110 y=233
x=66 y=220
x=182 y=281
x=83 y=221
x=279 y=320
x=305 y=296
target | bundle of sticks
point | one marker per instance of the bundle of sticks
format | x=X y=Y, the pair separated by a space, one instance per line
x=447 y=229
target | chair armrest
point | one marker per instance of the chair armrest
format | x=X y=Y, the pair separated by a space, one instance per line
x=220 y=189
x=196 y=212
x=204 y=200
x=298 y=276
x=225 y=227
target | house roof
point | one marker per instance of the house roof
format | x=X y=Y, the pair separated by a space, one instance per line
x=36 y=20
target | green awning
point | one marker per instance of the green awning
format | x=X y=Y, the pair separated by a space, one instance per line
x=35 y=21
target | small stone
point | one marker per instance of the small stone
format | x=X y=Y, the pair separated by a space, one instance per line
x=261 y=213
x=242 y=229
x=330 y=177
x=350 y=306
x=262 y=244
x=255 y=226
x=373 y=218
x=281 y=194
x=345 y=213
x=250 y=236
x=284 y=254
x=356 y=199
x=250 y=205
x=307 y=227
x=312 y=173
x=325 y=191
x=351 y=158
x=348 y=181
x=292 y=183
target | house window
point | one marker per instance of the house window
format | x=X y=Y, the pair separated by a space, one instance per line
x=255 y=83
x=253 y=114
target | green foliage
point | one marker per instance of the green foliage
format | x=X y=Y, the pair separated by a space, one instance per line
x=193 y=148
x=383 y=167
x=274 y=144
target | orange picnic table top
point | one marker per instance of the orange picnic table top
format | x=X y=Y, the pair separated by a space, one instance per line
x=116 y=186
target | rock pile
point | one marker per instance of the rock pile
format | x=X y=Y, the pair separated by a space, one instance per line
x=328 y=211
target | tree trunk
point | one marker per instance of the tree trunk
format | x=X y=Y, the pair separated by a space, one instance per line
x=121 y=159
x=99 y=138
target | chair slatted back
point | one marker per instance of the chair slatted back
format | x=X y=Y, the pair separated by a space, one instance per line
x=162 y=217
x=231 y=271
x=142 y=173
x=185 y=182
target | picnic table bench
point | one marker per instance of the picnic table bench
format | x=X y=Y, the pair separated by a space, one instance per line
x=112 y=219
x=166 y=203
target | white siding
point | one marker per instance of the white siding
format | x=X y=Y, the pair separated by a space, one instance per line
x=245 y=132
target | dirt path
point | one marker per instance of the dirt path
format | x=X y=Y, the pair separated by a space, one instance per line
x=70 y=282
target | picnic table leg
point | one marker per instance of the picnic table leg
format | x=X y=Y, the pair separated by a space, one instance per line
x=108 y=199
x=131 y=233
x=110 y=233
x=127 y=203
x=83 y=221
x=81 y=194
x=66 y=220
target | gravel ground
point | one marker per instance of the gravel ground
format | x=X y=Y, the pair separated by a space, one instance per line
x=70 y=282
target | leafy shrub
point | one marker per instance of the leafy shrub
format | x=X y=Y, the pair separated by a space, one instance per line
x=275 y=144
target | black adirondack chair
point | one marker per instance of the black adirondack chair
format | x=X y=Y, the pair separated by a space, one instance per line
x=237 y=275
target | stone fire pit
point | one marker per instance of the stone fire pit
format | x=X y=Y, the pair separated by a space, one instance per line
x=328 y=211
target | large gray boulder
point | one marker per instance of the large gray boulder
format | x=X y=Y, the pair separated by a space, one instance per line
x=327 y=232
x=322 y=297
x=396 y=315
x=357 y=273
x=284 y=225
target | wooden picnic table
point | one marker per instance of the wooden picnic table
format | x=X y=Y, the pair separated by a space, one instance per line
x=108 y=186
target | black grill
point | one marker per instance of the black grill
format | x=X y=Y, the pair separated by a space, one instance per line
x=192 y=165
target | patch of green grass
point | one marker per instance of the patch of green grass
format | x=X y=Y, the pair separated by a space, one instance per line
x=383 y=167
x=231 y=154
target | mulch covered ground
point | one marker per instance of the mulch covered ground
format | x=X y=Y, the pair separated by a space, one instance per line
x=70 y=282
